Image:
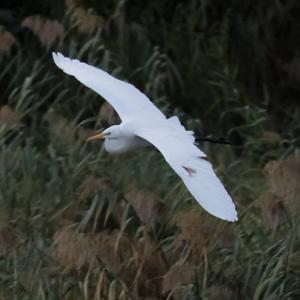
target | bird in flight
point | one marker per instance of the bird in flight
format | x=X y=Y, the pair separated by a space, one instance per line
x=142 y=123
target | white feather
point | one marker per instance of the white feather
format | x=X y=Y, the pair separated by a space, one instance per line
x=141 y=118
x=127 y=100
x=203 y=184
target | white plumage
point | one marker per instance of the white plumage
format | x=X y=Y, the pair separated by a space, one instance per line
x=143 y=123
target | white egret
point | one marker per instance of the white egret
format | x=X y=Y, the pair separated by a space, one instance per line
x=143 y=123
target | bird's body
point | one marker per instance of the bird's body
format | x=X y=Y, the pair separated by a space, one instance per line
x=144 y=124
x=124 y=140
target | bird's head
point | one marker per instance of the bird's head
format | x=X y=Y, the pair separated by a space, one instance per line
x=110 y=133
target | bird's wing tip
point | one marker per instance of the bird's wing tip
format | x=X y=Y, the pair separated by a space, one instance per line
x=229 y=217
x=60 y=55
x=56 y=59
x=63 y=62
x=233 y=219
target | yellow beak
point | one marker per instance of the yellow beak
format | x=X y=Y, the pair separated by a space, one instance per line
x=97 y=136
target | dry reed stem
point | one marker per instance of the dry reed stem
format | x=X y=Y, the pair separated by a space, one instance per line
x=48 y=31
x=221 y=293
x=79 y=251
x=92 y=185
x=152 y=267
x=10 y=241
x=196 y=232
x=87 y=22
x=271 y=209
x=283 y=178
x=178 y=276
x=9 y=118
x=147 y=206
x=70 y=3
x=7 y=41
x=271 y=137
x=60 y=127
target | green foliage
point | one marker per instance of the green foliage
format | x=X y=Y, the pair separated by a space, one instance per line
x=76 y=223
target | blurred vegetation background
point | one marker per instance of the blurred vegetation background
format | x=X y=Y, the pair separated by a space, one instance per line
x=76 y=223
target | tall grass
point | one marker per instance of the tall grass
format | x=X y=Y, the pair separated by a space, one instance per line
x=76 y=223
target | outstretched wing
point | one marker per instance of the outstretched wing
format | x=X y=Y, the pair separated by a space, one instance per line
x=124 y=97
x=190 y=164
x=171 y=139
